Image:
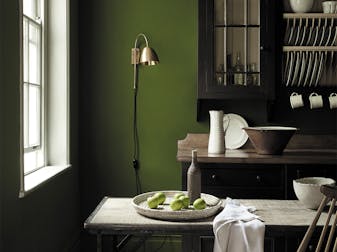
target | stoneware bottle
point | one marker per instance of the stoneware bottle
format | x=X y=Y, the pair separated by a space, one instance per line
x=216 y=141
x=194 y=178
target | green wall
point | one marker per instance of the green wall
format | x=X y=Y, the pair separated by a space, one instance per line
x=48 y=218
x=166 y=100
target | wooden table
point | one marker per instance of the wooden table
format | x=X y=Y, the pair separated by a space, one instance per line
x=116 y=216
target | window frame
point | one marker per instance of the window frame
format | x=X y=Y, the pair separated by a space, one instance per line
x=39 y=150
x=56 y=117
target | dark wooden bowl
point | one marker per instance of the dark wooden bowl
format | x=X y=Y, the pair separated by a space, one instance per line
x=270 y=140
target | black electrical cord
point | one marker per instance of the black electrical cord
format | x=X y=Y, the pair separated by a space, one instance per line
x=135 y=161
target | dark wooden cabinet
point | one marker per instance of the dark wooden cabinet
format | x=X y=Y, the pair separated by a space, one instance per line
x=241 y=181
x=243 y=174
x=232 y=28
x=255 y=181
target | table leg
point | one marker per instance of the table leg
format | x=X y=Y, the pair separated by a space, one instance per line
x=99 y=242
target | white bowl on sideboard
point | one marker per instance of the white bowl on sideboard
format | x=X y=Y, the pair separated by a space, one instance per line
x=308 y=192
x=301 y=6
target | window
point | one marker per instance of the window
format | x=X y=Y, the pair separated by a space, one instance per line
x=33 y=85
x=45 y=91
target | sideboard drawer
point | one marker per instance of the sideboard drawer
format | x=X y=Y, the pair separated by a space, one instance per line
x=241 y=192
x=240 y=180
x=235 y=175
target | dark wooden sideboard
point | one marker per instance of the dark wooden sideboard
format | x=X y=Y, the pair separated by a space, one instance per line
x=243 y=174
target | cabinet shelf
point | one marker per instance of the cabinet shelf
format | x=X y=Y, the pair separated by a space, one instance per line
x=244 y=72
x=310 y=48
x=236 y=26
x=309 y=15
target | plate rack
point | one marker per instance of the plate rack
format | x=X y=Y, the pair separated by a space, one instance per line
x=310 y=49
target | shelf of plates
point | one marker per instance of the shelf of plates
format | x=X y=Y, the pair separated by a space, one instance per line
x=310 y=49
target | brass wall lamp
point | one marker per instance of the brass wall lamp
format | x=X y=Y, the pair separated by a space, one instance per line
x=147 y=56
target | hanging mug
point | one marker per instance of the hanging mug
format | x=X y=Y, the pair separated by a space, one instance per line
x=316 y=101
x=333 y=100
x=296 y=100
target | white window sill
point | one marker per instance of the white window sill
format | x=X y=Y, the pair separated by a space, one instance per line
x=35 y=179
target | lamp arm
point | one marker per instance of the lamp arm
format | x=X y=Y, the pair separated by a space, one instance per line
x=145 y=38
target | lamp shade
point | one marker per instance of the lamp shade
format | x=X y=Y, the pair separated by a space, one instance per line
x=148 y=57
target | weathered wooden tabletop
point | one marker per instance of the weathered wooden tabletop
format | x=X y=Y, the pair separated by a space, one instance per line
x=118 y=216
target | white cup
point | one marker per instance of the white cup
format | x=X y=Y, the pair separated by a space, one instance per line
x=333 y=100
x=329 y=6
x=316 y=101
x=296 y=100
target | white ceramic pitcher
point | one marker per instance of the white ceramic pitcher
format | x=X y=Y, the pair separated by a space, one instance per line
x=216 y=142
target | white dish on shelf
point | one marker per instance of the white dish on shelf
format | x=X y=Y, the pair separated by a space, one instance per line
x=298 y=58
x=307 y=76
x=316 y=36
x=333 y=42
x=303 y=68
x=304 y=35
x=321 y=35
x=235 y=136
x=290 y=69
x=320 y=69
x=314 y=71
x=329 y=36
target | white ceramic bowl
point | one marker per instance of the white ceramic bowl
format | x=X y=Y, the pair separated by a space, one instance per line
x=308 y=192
x=301 y=6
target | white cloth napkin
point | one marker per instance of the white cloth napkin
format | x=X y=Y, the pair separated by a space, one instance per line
x=236 y=229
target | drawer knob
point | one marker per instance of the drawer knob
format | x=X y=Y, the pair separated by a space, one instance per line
x=258 y=178
x=213 y=176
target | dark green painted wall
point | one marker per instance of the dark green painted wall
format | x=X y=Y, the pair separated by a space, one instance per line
x=48 y=218
x=166 y=99
x=167 y=94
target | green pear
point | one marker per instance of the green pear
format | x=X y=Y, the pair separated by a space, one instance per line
x=177 y=195
x=199 y=204
x=152 y=202
x=160 y=196
x=186 y=201
x=176 y=204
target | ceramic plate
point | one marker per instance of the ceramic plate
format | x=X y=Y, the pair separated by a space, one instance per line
x=298 y=59
x=164 y=211
x=320 y=69
x=290 y=69
x=333 y=42
x=303 y=68
x=329 y=36
x=307 y=76
x=284 y=77
x=315 y=68
x=235 y=136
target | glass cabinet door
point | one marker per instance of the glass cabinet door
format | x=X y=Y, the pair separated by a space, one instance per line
x=231 y=48
x=237 y=42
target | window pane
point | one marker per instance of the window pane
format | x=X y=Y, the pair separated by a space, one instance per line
x=25 y=114
x=25 y=50
x=34 y=54
x=30 y=8
x=30 y=161
x=34 y=116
